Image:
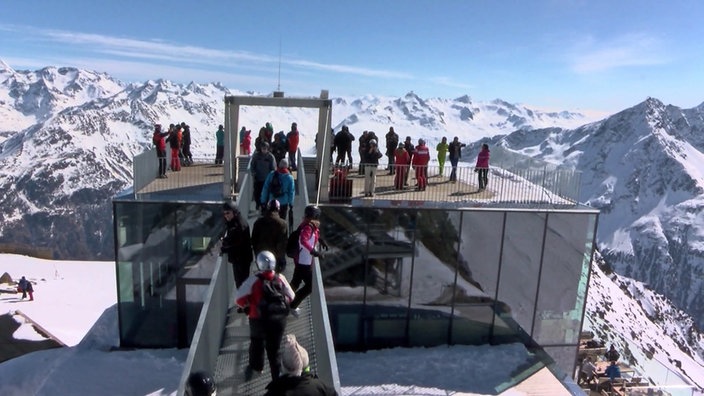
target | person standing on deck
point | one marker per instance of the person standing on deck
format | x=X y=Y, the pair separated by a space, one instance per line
x=482 y=167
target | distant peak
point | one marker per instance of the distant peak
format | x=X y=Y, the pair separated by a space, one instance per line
x=466 y=99
x=5 y=68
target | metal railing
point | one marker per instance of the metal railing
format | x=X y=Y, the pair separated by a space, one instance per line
x=518 y=186
x=198 y=172
x=207 y=337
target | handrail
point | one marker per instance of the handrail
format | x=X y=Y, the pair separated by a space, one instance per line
x=207 y=337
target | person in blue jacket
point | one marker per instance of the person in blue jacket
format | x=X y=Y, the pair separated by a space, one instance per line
x=283 y=189
x=613 y=372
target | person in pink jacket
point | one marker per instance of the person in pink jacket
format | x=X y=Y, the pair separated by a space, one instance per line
x=421 y=157
x=308 y=242
x=482 y=167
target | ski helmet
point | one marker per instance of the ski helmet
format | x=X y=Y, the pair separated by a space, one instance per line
x=200 y=384
x=312 y=212
x=266 y=261
x=273 y=206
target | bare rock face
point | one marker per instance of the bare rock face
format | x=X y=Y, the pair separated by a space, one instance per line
x=6 y=278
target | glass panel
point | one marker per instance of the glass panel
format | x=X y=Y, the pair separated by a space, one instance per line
x=564 y=357
x=368 y=269
x=560 y=307
x=520 y=268
x=434 y=276
x=157 y=244
x=475 y=289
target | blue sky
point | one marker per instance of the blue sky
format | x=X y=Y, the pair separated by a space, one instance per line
x=555 y=54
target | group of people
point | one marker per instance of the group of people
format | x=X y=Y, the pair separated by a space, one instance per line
x=590 y=374
x=25 y=287
x=402 y=156
x=266 y=296
x=280 y=144
x=178 y=137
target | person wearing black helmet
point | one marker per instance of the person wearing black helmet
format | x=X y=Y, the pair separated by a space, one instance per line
x=270 y=233
x=308 y=242
x=200 y=383
x=236 y=242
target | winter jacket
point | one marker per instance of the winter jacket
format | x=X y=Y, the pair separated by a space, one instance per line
x=236 y=242
x=421 y=156
x=287 y=186
x=343 y=140
x=220 y=137
x=250 y=293
x=262 y=164
x=409 y=148
x=158 y=138
x=483 y=159
x=174 y=138
x=391 y=141
x=371 y=157
x=455 y=149
x=310 y=234
x=402 y=157
x=305 y=385
x=293 y=138
x=442 y=148
x=270 y=233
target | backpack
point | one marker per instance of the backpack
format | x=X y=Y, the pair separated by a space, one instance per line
x=273 y=303
x=155 y=139
x=292 y=245
x=275 y=187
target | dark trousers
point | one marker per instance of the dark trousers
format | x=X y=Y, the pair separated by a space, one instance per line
x=266 y=334
x=342 y=153
x=285 y=213
x=453 y=174
x=302 y=273
x=219 y=152
x=483 y=175
x=292 y=160
x=241 y=272
x=392 y=160
x=258 y=186
x=161 y=157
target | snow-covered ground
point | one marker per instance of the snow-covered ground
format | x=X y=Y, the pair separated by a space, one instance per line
x=75 y=301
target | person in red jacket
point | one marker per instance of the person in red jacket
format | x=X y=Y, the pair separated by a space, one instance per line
x=482 y=167
x=265 y=329
x=401 y=161
x=174 y=141
x=293 y=137
x=421 y=157
x=160 y=145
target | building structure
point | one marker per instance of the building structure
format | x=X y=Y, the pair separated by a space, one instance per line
x=446 y=266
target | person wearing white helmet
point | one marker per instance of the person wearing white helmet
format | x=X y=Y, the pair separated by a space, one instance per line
x=266 y=298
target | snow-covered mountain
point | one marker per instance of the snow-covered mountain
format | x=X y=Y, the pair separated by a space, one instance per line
x=644 y=169
x=68 y=136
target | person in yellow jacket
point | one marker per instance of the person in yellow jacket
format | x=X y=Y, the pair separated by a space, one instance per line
x=442 y=148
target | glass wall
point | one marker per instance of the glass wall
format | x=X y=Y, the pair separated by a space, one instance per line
x=163 y=260
x=399 y=277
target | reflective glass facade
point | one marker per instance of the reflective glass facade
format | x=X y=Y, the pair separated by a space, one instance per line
x=165 y=259
x=399 y=277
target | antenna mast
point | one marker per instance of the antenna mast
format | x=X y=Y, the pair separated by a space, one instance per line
x=278 y=85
